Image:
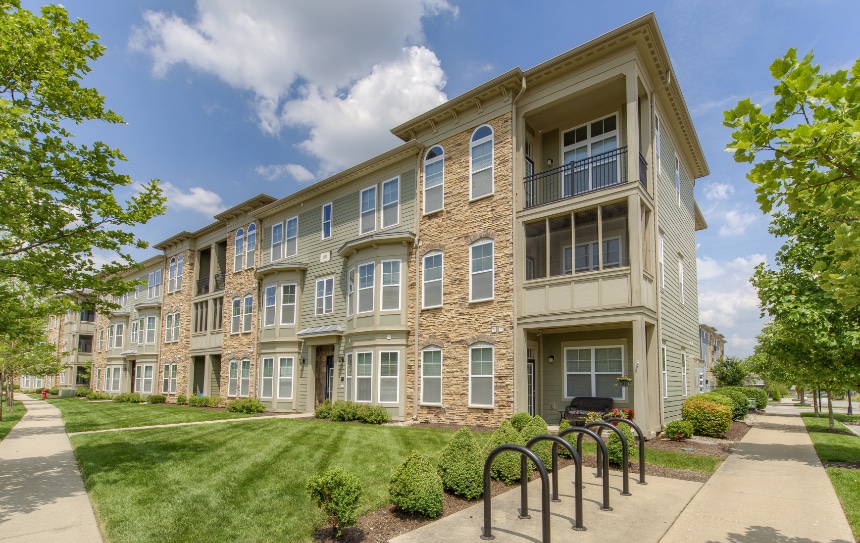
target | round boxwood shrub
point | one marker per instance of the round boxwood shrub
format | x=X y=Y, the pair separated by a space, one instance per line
x=519 y=420
x=506 y=466
x=740 y=404
x=461 y=467
x=415 y=487
x=543 y=449
x=246 y=405
x=336 y=492
x=615 y=448
x=157 y=398
x=707 y=417
x=679 y=430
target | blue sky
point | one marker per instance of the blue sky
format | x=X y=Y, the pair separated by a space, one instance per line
x=224 y=100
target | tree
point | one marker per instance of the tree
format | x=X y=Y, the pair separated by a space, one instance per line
x=59 y=196
x=806 y=158
x=730 y=372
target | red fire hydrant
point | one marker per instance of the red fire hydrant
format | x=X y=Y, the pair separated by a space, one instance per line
x=44 y=393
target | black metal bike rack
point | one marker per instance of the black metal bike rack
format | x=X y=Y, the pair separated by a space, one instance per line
x=641 y=446
x=600 y=425
x=577 y=482
x=524 y=495
x=601 y=446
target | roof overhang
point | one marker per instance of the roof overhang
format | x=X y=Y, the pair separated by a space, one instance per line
x=700 y=221
x=326 y=330
x=276 y=267
x=351 y=247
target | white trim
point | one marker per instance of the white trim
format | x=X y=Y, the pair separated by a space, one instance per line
x=271 y=378
x=287 y=237
x=330 y=220
x=247 y=323
x=684 y=373
x=280 y=254
x=587 y=143
x=350 y=292
x=372 y=287
x=382 y=225
x=441 y=280
x=491 y=270
x=492 y=376
x=362 y=211
x=250 y=246
x=681 y=279
x=243 y=379
x=294 y=304
x=662 y=261
x=292 y=365
x=396 y=379
x=358 y=356
x=382 y=284
x=491 y=167
x=325 y=295
x=593 y=368
x=235 y=316
x=238 y=255
x=678 y=178
x=665 y=370
x=441 y=185
x=270 y=308
x=233 y=382
x=423 y=401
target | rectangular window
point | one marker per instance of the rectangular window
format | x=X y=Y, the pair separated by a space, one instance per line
x=249 y=309
x=179 y=262
x=236 y=316
x=481 y=150
x=115 y=379
x=684 y=373
x=110 y=337
x=365 y=287
x=681 y=279
x=143 y=378
x=665 y=371
x=267 y=378
x=176 y=326
x=277 y=241
x=350 y=292
x=269 y=309
x=217 y=313
x=292 y=246
x=662 y=262
x=678 y=179
x=233 y=380
x=363 y=377
x=165 y=378
x=326 y=221
x=350 y=394
x=325 y=296
x=102 y=339
x=168 y=328
x=141 y=331
x=481 y=376
x=120 y=336
x=285 y=378
x=434 y=180
x=481 y=274
x=391 y=202
x=431 y=376
x=239 y=250
x=245 y=380
x=432 y=280
x=288 y=303
x=368 y=210
x=389 y=370
x=390 y=285
x=98 y=379
x=593 y=371
x=133 y=338
x=173 y=368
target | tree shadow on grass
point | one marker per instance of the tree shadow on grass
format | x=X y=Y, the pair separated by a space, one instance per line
x=766 y=534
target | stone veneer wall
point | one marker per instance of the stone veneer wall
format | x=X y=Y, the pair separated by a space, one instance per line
x=99 y=355
x=459 y=323
x=176 y=352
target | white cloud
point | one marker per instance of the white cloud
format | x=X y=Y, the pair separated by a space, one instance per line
x=737 y=222
x=273 y=172
x=344 y=62
x=716 y=191
x=195 y=199
x=708 y=268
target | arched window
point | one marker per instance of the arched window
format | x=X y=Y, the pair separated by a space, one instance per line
x=179 y=261
x=434 y=179
x=481 y=151
x=251 y=245
x=240 y=250
x=171 y=274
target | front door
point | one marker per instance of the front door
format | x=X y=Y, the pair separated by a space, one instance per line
x=530 y=371
x=324 y=361
x=329 y=377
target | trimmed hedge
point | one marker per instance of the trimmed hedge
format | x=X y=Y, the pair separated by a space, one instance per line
x=679 y=430
x=98 y=396
x=751 y=392
x=543 y=449
x=54 y=391
x=415 y=487
x=349 y=411
x=520 y=420
x=721 y=399
x=129 y=397
x=506 y=466
x=461 y=466
x=707 y=417
x=157 y=398
x=246 y=405
x=336 y=491
x=740 y=404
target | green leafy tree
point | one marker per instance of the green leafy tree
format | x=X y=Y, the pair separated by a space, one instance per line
x=806 y=159
x=59 y=196
x=730 y=371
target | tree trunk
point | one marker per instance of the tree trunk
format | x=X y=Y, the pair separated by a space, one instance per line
x=830 y=410
x=850 y=409
x=816 y=397
x=801 y=395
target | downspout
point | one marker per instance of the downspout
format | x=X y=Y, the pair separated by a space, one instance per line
x=515 y=330
x=415 y=245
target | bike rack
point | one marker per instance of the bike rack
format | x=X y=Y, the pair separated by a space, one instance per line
x=577 y=459
x=626 y=476
x=641 y=446
x=601 y=446
x=524 y=495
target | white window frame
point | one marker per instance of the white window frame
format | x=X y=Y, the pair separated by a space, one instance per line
x=248 y=313
x=424 y=280
x=168 y=328
x=236 y=316
x=326 y=223
x=276 y=248
x=176 y=326
x=134 y=327
x=286 y=378
x=270 y=294
x=678 y=178
x=150 y=330
x=245 y=381
x=681 y=279
x=141 y=330
x=390 y=286
x=271 y=378
x=665 y=365
x=491 y=167
x=684 y=373
x=588 y=143
x=251 y=246
x=350 y=370
x=593 y=369
x=238 y=250
x=291 y=239
x=371 y=288
x=362 y=212
x=350 y=292
x=110 y=336
x=171 y=275
x=425 y=378
x=492 y=376
x=359 y=378
x=327 y=296
x=140 y=379
x=294 y=304
x=180 y=261
x=662 y=262
x=383 y=206
x=168 y=379
x=441 y=184
x=492 y=270
x=233 y=379
x=658 y=142
x=395 y=378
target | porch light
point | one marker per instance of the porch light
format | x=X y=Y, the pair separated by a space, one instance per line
x=549 y=162
x=551 y=359
x=302 y=361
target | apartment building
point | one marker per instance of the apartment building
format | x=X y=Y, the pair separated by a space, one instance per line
x=712 y=347
x=532 y=240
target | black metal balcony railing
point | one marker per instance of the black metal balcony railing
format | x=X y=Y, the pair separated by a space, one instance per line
x=643 y=171
x=574 y=178
x=219 y=282
x=203 y=286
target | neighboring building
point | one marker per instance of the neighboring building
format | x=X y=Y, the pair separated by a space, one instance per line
x=712 y=347
x=532 y=240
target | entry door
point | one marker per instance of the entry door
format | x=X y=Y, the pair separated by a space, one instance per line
x=329 y=377
x=133 y=374
x=530 y=369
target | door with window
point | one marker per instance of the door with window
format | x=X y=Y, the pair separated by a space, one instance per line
x=591 y=152
x=329 y=377
x=531 y=357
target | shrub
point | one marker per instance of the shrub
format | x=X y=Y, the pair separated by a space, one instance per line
x=620 y=413
x=98 y=396
x=215 y=401
x=615 y=449
x=506 y=466
x=707 y=417
x=182 y=400
x=246 y=405
x=730 y=371
x=336 y=492
x=415 y=487
x=54 y=391
x=543 y=449
x=775 y=393
x=740 y=404
x=199 y=401
x=519 y=420
x=344 y=411
x=593 y=416
x=81 y=392
x=679 y=430
x=129 y=397
x=758 y=394
x=713 y=397
x=460 y=467
x=372 y=414
x=157 y=398
x=323 y=410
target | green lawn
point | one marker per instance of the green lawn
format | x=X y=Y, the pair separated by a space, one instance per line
x=842 y=446
x=11 y=419
x=82 y=416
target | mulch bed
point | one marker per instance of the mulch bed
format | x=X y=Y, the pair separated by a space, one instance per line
x=388 y=522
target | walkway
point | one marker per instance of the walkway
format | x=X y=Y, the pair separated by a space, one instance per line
x=43 y=495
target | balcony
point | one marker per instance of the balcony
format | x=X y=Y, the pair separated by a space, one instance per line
x=219 y=282
x=202 y=286
x=590 y=174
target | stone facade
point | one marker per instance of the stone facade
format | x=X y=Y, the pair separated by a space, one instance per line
x=176 y=351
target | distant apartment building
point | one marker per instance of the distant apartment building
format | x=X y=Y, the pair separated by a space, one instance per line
x=531 y=241
x=712 y=347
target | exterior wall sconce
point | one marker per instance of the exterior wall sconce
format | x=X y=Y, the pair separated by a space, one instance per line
x=551 y=358
x=550 y=162
x=340 y=359
x=302 y=361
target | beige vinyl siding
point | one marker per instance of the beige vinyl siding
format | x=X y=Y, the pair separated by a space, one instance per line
x=678 y=323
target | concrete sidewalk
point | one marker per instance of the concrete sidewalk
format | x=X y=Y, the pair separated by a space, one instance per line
x=43 y=495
